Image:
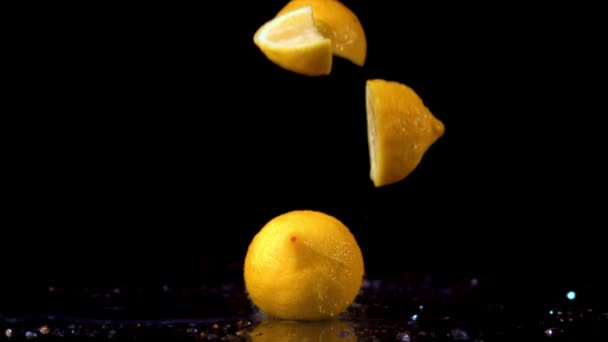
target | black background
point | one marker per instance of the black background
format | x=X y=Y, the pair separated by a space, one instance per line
x=154 y=141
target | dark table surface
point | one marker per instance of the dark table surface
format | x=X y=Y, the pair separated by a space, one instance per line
x=405 y=307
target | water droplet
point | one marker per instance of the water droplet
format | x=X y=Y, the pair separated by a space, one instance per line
x=376 y=284
x=30 y=335
x=551 y=312
x=8 y=333
x=116 y=290
x=243 y=324
x=553 y=331
x=404 y=337
x=51 y=289
x=459 y=335
x=344 y=334
x=474 y=282
x=229 y=287
x=414 y=317
x=421 y=307
x=165 y=288
x=571 y=295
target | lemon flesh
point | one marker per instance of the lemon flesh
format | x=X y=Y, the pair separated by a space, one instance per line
x=400 y=130
x=338 y=23
x=293 y=42
x=303 y=265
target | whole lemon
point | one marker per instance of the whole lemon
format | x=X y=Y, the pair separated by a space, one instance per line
x=303 y=265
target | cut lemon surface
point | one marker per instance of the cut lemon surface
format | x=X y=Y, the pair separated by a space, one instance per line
x=292 y=41
x=400 y=130
x=338 y=23
x=303 y=265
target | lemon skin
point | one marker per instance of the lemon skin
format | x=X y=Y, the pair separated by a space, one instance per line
x=303 y=265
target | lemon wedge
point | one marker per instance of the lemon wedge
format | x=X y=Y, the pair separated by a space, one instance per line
x=338 y=23
x=293 y=42
x=400 y=130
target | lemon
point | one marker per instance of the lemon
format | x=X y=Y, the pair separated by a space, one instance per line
x=294 y=331
x=293 y=42
x=400 y=130
x=340 y=24
x=303 y=265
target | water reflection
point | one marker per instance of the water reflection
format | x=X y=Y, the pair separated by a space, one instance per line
x=291 y=331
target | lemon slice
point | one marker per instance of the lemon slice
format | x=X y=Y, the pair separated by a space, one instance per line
x=303 y=265
x=400 y=130
x=340 y=24
x=293 y=42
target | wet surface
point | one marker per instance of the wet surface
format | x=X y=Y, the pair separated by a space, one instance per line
x=410 y=308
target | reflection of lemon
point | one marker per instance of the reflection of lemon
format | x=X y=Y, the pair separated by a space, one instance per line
x=303 y=265
x=400 y=130
x=338 y=23
x=293 y=42
x=292 y=331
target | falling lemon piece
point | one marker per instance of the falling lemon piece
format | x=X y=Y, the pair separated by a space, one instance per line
x=400 y=130
x=303 y=265
x=292 y=41
x=337 y=22
x=294 y=331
